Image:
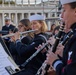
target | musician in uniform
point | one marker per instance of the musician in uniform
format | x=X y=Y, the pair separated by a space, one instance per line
x=37 y=23
x=26 y=39
x=66 y=65
x=8 y=26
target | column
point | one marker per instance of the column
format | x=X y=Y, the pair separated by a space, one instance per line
x=28 y=2
x=3 y=3
x=10 y=15
x=22 y=15
x=3 y=19
x=56 y=14
x=55 y=9
x=49 y=15
x=28 y=15
x=15 y=3
x=35 y=3
x=9 y=3
x=49 y=25
x=48 y=2
x=55 y=1
x=42 y=14
x=22 y=2
x=16 y=20
x=41 y=3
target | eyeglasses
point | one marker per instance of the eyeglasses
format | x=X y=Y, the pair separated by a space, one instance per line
x=19 y=26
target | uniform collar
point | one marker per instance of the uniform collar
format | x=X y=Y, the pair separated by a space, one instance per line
x=7 y=25
x=73 y=27
x=38 y=34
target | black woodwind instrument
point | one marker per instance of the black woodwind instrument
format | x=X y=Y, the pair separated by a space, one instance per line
x=53 y=50
x=67 y=37
x=33 y=55
x=46 y=66
x=58 y=38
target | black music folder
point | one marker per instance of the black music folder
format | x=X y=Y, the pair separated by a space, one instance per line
x=7 y=65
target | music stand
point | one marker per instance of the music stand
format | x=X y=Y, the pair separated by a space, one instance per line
x=7 y=65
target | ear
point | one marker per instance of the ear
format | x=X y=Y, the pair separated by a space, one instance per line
x=75 y=11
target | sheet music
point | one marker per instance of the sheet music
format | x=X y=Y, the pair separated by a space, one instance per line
x=4 y=61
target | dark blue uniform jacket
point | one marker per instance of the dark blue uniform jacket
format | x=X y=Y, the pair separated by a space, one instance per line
x=68 y=62
x=26 y=51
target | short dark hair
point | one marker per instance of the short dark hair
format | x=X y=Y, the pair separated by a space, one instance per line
x=73 y=5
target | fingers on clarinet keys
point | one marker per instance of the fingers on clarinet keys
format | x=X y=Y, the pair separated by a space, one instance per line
x=59 y=50
x=40 y=46
x=44 y=50
x=51 y=57
x=48 y=52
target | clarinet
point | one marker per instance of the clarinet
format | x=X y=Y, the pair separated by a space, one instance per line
x=67 y=37
x=34 y=54
x=45 y=66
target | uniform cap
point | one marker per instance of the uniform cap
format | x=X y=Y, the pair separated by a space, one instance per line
x=36 y=17
x=67 y=1
x=7 y=18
